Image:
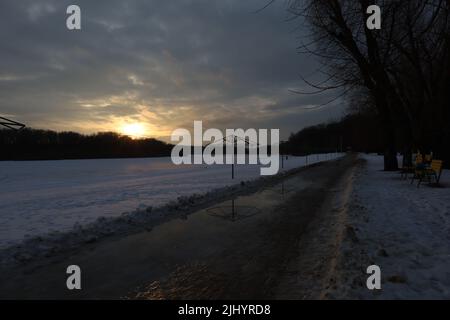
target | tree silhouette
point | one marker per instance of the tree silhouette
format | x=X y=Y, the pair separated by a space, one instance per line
x=403 y=67
x=32 y=144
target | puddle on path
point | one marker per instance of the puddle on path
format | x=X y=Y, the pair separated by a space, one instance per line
x=116 y=267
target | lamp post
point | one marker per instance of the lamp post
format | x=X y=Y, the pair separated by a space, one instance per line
x=234 y=140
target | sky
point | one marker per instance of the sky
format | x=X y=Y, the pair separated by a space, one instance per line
x=157 y=65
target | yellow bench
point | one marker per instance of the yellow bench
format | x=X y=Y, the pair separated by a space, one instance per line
x=434 y=171
x=411 y=169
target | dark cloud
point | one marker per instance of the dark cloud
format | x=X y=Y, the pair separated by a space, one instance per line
x=162 y=62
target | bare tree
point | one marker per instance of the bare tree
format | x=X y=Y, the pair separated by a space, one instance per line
x=403 y=66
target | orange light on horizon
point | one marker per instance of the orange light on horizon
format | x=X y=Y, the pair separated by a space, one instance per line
x=134 y=130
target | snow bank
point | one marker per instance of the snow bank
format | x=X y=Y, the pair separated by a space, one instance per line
x=402 y=229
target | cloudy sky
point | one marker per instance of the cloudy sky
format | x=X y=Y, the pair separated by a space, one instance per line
x=160 y=64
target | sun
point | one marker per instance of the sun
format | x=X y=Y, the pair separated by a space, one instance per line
x=134 y=130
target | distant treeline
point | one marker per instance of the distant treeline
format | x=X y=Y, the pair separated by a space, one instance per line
x=33 y=144
x=358 y=132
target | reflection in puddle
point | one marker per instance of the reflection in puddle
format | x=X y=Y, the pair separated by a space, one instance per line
x=233 y=212
x=284 y=188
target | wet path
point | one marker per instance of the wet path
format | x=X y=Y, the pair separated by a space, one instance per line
x=221 y=252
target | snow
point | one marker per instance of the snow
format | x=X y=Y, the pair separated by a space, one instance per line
x=402 y=229
x=38 y=197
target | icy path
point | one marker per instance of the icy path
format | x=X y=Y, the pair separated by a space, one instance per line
x=37 y=197
x=206 y=253
x=402 y=229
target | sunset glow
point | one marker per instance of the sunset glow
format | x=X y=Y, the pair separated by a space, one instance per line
x=134 y=130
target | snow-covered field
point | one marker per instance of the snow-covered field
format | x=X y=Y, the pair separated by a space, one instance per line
x=402 y=229
x=37 y=197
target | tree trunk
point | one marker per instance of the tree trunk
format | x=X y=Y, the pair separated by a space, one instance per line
x=390 y=159
x=407 y=157
x=390 y=146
